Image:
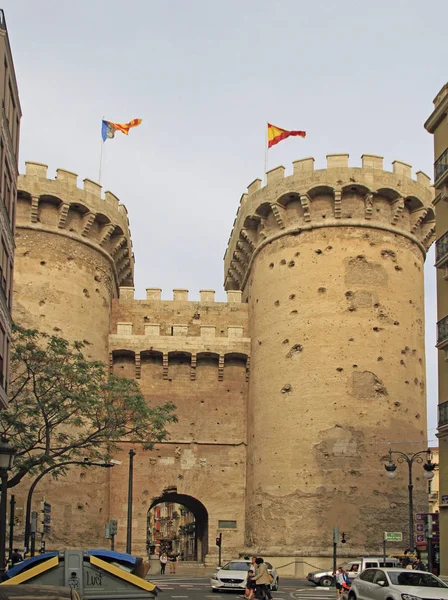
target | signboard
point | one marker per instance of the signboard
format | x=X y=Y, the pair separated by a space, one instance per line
x=420 y=539
x=393 y=536
x=420 y=527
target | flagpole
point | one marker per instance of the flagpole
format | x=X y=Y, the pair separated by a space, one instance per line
x=101 y=152
x=266 y=154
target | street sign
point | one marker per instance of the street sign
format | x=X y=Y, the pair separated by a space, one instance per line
x=393 y=536
x=419 y=527
x=420 y=538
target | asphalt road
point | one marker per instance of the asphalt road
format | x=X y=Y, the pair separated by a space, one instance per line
x=185 y=587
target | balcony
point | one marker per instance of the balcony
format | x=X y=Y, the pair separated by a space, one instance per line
x=442 y=250
x=441 y=168
x=442 y=332
x=443 y=414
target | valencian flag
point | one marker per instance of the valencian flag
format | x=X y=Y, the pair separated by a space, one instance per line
x=277 y=134
x=108 y=128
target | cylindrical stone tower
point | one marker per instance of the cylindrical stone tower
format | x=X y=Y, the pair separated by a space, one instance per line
x=73 y=251
x=331 y=264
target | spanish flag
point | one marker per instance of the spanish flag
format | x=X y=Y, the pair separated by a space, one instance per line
x=108 y=128
x=277 y=134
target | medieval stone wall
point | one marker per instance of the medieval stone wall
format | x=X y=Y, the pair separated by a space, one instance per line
x=331 y=264
x=196 y=354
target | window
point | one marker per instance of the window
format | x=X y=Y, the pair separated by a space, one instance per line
x=226 y=524
x=379 y=577
x=368 y=575
x=371 y=565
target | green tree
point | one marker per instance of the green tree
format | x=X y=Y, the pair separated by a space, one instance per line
x=63 y=406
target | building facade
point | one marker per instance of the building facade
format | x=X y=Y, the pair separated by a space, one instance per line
x=9 y=154
x=437 y=124
x=288 y=393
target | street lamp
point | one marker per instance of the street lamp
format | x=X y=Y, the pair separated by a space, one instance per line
x=7 y=453
x=132 y=453
x=428 y=474
x=85 y=462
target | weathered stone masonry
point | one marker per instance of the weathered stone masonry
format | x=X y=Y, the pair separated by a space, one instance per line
x=288 y=393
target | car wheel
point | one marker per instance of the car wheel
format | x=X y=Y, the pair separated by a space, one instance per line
x=326 y=581
x=274 y=586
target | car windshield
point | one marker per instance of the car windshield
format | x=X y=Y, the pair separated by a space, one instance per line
x=415 y=579
x=236 y=566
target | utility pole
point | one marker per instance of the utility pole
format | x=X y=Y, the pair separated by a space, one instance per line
x=12 y=504
x=335 y=544
x=132 y=453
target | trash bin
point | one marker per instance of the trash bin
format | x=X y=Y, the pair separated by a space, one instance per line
x=95 y=574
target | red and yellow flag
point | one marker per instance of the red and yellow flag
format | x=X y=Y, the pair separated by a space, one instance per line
x=277 y=134
x=108 y=128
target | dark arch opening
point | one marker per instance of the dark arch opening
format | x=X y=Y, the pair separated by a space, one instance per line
x=182 y=535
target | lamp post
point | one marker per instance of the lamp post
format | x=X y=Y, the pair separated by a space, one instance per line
x=132 y=453
x=428 y=474
x=7 y=454
x=85 y=462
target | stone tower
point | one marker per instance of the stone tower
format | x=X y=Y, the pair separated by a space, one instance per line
x=73 y=251
x=330 y=262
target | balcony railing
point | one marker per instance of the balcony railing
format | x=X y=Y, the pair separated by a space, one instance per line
x=441 y=165
x=442 y=331
x=442 y=247
x=443 y=414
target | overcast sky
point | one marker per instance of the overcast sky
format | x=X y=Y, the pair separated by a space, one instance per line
x=205 y=76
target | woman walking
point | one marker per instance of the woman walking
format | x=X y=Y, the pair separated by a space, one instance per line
x=163 y=560
x=262 y=579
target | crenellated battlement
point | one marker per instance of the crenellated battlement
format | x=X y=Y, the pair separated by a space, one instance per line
x=60 y=206
x=337 y=196
x=179 y=295
x=179 y=329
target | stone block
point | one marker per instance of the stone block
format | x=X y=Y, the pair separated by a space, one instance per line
x=372 y=161
x=180 y=330
x=67 y=177
x=124 y=328
x=153 y=294
x=401 y=168
x=92 y=187
x=126 y=293
x=337 y=161
x=207 y=295
x=181 y=295
x=35 y=169
x=276 y=174
x=235 y=332
x=234 y=296
x=152 y=329
x=303 y=164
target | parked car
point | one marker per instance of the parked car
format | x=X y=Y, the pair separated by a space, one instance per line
x=233 y=575
x=397 y=584
x=353 y=567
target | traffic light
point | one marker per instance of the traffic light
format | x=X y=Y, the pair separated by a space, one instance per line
x=343 y=540
x=219 y=540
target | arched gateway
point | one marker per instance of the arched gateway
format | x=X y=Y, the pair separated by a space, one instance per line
x=196 y=530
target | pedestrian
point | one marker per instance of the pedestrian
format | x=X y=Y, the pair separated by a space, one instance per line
x=262 y=579
x=16 y=557
x=163 y=558
x=173 y=562
x=249 y=592
x=340 y=579
x=419 y=565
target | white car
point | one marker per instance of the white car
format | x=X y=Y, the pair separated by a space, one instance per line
x=233 y=575
x=397 y=584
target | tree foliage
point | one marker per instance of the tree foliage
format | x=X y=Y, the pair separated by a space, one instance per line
x=63 y=406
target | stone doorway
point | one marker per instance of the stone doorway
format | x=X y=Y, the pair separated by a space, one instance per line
x=177 y=523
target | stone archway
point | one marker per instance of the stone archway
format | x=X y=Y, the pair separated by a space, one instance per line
x=200 y=513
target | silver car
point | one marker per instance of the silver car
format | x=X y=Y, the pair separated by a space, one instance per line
x=397 y=584
x=233 y=575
